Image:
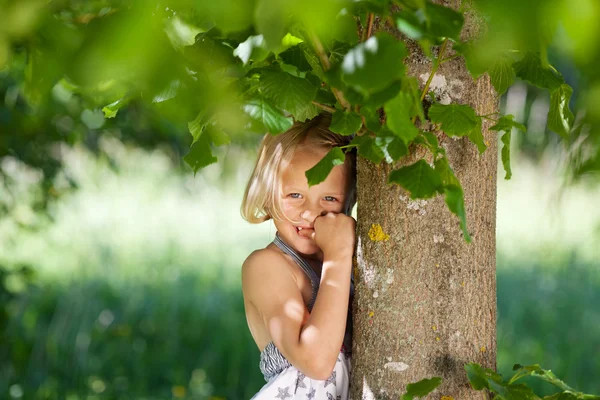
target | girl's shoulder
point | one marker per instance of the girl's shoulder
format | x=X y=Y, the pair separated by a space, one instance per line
x=266 y=267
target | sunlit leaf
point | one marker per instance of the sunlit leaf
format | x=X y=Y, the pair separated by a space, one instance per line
x=506 y=154
x=373 y=65
x=560 y=117
x=260 y=110
x=444 y=21
x=319 y=172
x=421 y=389
x=253 y=48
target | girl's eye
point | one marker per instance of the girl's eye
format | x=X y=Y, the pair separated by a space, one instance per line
x=293 y=195
x=330 y=197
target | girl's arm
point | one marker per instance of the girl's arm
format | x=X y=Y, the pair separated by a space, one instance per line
x=272 y=289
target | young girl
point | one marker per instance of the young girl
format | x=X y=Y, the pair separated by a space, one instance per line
x=297 y=290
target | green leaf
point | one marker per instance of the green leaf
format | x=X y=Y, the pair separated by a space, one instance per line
x=432 y=142
x=453 y=192
x=560 y=117
x=407 y=102
x=270 y=19
x=456 y=119
x=325 y=96
x=289 y=92
x=377 y=99
x=402 y=127
x=296 y=56
x=411 y=23
x=563 y=396
x=319 y=172
x=374 y=64
x=313 y=59
x=200 y=154
x=531 y=69
x=543 y=374
x=506 y=123
x=419 y=179
x=444 y=21
x=502 y=74
x=422 y=388
x=253 y=48
x=476 y=137
x=369 y=148
x=394 y=148
x=512 y=392
x=111 y=110
x=345 y=123
x=506 y=154
x=412 y=4
x=371 y=117
x=260 y=110
x=479 y=377
x=196 y=127
x=454 y=198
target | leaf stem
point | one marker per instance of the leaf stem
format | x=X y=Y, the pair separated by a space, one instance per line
x=326 y=66
x=347 y=146
x=486 y=117
x=436 y=65
x=324 y=107
x=450 y=58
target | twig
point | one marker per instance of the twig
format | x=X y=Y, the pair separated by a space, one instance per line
x=326 y=65
x=324 y=107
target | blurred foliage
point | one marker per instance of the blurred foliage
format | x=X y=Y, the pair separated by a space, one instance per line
x=185 y=338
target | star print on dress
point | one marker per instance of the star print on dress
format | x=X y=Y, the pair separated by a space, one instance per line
x=283 y=393
x=300 y=380
x=330 y=397
x=331 y=379
x=311 y=394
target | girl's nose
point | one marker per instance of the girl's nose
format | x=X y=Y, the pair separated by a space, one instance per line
x=310 y=215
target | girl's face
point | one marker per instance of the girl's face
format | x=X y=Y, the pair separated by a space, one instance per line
x=327 y=196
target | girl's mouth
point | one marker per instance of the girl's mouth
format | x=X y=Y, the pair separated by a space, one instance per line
x=299 y=228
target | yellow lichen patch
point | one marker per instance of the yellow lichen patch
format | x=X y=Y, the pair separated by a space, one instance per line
x=371 y=313
x=437 y=339
x=437 y=265
x=377 y=234
x=447 y=398
x=482 y=349
x=434 y=327
x=462 y=283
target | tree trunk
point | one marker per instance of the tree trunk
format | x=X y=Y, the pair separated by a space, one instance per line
x=425 y=300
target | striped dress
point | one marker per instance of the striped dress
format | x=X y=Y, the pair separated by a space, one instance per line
x=284 y=381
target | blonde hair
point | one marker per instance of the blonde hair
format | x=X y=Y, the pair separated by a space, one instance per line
x=261 y=200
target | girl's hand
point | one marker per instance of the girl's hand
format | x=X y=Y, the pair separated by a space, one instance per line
x=334 y=233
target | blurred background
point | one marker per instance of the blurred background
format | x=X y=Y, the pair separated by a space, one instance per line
x=120 y=267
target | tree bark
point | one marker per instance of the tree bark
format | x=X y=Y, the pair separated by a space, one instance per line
x=425 y=300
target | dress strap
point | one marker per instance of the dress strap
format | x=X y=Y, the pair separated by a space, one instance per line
x=314 y=279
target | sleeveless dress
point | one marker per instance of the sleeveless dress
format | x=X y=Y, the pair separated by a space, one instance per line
x=284 y=381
